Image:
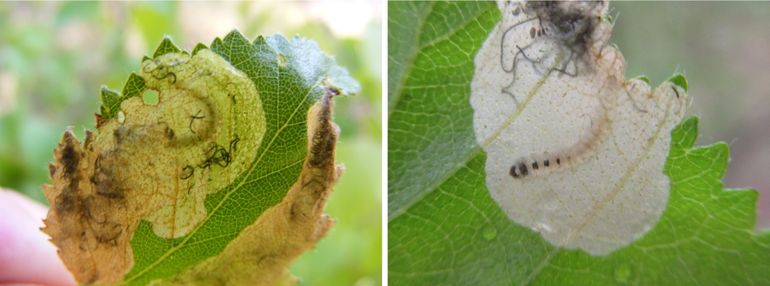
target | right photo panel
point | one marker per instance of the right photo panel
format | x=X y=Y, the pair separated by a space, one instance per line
x=560 y=143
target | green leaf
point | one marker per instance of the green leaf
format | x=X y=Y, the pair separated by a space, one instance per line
x=646 y=79
x=679 y=80
x=421 y=156
x=268 y=86
x=166 y=46
x=199 y=47
x=445 y=229
x=111 y=99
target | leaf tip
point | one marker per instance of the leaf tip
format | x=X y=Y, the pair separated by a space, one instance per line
x=134 y=85
x=110 y=99
x=216 y=43
x=679 y=80
x=235 y=36
x=198 y=47
x=108 y=93
x=643 y=78
x=260 y=40
x=166 y=46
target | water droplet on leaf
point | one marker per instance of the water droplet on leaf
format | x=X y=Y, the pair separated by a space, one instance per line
x=489 y=233
x=623 y=273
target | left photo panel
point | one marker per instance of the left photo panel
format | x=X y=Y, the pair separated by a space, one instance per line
x=200 y=143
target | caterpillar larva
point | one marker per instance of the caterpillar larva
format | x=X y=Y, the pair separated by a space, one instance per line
x=553 y=160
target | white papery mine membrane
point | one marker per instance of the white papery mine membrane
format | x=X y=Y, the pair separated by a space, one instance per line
x=574 y=151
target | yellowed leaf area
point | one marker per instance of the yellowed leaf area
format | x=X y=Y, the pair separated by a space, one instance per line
x=159 y=161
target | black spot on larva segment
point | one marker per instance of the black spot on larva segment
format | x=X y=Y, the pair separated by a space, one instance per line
x=558 y=161
x=532 y=32
x=535 y=166
x=523 y=168
x=546 y=163
x=512 y=172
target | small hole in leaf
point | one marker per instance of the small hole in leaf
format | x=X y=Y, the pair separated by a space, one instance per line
x=150 y=97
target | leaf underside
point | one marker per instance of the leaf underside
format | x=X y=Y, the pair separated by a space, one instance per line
x=445 y=229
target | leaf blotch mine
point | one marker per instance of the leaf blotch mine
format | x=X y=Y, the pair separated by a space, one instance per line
x=152 y=161
x=548 y=89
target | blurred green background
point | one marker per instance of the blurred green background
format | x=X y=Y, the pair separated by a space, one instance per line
x=724 y=50
x=54 y=57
